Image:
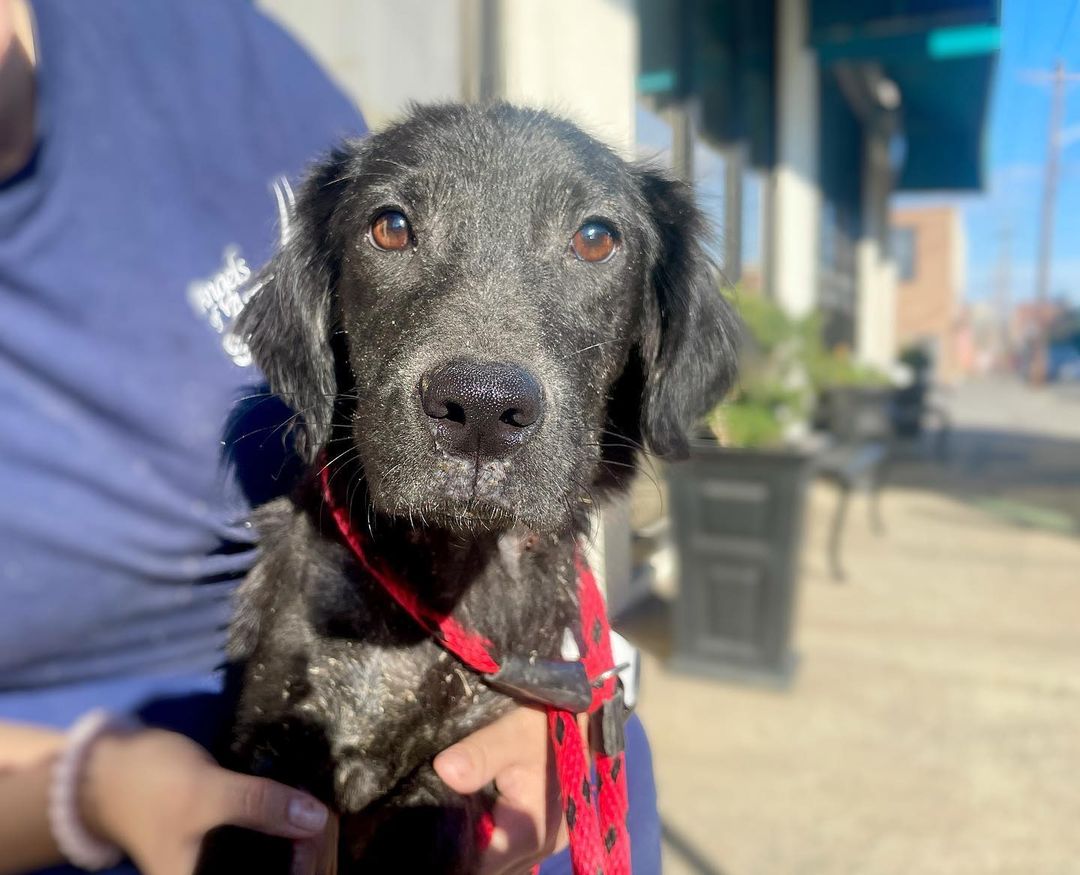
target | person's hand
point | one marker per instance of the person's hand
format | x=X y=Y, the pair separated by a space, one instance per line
x=156 y=794
x=515 y=753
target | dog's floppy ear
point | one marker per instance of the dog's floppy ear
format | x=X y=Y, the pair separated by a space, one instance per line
x=690 y=334
x=289 y=321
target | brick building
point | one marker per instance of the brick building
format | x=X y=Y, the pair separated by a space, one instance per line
x=929 y=250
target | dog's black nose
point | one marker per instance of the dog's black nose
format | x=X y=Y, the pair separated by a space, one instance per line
x=481 y=409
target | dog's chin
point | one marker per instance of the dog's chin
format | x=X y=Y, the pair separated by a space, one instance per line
x=473 y=517
x=466 y=516
x=456 y=498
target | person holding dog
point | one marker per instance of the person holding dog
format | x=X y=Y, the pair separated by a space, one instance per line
x=145 y=152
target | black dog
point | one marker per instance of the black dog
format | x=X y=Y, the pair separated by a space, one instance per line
x=480 y=315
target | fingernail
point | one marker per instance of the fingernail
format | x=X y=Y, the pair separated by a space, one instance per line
x=454 y=764
x=307 y=814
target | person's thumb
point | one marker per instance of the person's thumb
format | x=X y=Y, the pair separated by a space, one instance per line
x=265 y=806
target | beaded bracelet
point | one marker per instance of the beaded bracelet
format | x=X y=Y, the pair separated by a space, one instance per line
x=74 y=840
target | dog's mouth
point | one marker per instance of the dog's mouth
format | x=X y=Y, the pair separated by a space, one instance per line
x=472 y=502
x=472 y=515
x=466 y=516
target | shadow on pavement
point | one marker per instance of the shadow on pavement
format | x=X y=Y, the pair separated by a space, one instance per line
x=1029 y=480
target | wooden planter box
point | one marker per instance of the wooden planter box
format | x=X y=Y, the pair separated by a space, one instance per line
x=738 y=518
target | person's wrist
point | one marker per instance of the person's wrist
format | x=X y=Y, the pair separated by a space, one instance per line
x=72 y=778
x=101 y=790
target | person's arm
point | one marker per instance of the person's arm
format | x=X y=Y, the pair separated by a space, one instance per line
x=17 y=61
x=22 y=743
x=156 y=794
x=26 y=757
x=153 y=793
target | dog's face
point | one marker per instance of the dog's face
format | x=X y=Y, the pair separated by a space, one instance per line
x=501 y=307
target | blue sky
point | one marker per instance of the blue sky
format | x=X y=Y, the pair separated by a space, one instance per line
x=1034 y=34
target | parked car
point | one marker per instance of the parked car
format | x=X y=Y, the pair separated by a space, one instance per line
x=1063 y=361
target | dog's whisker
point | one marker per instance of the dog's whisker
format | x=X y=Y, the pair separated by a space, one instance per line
x=336 y=458
x=595 y=346
x=349 y=485
x=636 y=444
x=340 y=179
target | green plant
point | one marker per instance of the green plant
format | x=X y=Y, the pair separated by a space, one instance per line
x=774 y=397
x=832 y=368
x=786 y=367
x=750 y=421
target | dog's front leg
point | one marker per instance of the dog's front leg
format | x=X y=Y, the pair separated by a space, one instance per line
x=291 y=750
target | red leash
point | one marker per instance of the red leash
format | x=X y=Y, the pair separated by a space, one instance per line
x=596 y=811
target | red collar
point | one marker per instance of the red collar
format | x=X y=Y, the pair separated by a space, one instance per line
x=598 y=836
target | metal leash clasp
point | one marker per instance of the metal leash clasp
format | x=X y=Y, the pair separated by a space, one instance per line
x=564 y=684
x=607 y=727
x=554 y=683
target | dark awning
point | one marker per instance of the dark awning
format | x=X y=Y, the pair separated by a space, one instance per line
x=941 y=54
x=721 y=51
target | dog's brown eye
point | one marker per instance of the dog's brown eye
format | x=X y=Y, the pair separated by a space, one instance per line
x=390 y=231
x=594 y=242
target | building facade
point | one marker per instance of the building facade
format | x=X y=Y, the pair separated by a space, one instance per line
x=837 y=105
x=930 y=256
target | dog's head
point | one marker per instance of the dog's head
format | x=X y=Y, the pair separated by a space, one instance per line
x=493 y=311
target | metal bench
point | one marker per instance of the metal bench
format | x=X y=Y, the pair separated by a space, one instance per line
x=852 y=467
x=859 y=424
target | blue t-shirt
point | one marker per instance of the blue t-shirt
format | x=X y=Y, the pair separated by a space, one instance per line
x=126 y=247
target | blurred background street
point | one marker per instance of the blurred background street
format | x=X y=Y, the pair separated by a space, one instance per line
x=933 y=727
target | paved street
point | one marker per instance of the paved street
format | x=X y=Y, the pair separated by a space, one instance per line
x=934 y=726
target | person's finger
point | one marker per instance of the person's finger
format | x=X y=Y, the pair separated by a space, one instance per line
x=528 y=817
x=264 y=805
x=520 y=839
x=476 y=761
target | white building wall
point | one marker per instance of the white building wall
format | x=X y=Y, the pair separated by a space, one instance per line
x=875 y=315
x=383 y=54
x=796 y=193
x=578 y=58
x=575 y=57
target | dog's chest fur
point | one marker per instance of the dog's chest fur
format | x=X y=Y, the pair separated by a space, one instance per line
x=345 y=682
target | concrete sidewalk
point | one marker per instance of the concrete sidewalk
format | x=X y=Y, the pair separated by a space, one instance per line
x=934 y=725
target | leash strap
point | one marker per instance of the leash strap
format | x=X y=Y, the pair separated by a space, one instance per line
x=596 y=810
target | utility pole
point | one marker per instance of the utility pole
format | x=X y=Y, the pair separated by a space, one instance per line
x=1058 y=80
x=1050 y=184
x=1003 y=300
